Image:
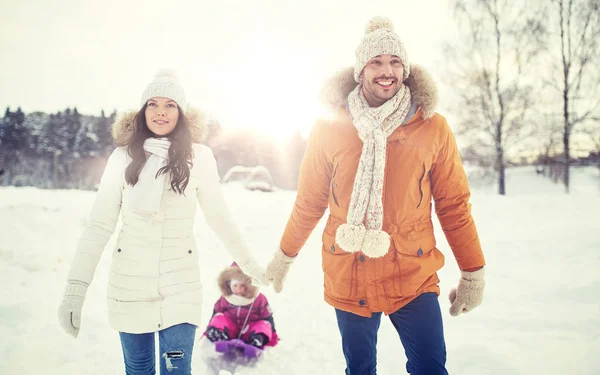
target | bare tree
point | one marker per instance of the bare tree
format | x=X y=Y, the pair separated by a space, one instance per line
x=491 y=61
x=549 y=145
x=578 y=30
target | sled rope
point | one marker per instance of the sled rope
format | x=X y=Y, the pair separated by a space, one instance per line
x=246 y=320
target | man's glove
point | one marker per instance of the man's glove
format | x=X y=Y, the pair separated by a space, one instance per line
x=469 y=293
x=278 y=268
x=69 y=312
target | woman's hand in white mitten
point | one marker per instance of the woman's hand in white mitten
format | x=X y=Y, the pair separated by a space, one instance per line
x=256 y=272
x=69 y=312
x=469 y=293
x=278 y=268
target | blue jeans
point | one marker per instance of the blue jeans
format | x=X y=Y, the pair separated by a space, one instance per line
x=419 y=325
x=176 y=344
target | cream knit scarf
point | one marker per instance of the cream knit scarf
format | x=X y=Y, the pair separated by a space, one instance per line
x=374 y=125
x=147 y=194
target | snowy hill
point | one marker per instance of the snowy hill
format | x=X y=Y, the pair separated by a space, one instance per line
x=541 y=311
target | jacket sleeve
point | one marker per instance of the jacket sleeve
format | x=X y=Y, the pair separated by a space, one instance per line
x=264 y=310
x=215 y=209
x=451 y=194
x=218 y=306
x=102 y=220
x=312 y=195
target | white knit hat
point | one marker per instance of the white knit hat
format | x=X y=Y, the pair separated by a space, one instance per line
x=380 y=39
x=166 y=85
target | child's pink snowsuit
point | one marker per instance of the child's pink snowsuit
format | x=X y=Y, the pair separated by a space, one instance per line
x=257 y=317
x=250 y=313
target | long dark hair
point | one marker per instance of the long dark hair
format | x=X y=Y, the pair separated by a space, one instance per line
x=180 y=151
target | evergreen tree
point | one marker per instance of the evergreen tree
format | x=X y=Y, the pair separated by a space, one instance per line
x=13 y=135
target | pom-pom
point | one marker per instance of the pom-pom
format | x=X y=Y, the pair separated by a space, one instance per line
x=377 y=23
x=350 y=237
x=166 y=73
x=377 y=243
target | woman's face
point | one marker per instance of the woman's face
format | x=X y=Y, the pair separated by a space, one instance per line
x=162 y=115
x=238 y=289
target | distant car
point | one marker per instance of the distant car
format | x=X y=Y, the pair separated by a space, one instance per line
x=256 y=178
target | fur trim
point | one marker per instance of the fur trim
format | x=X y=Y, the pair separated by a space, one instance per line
x=424 y=92
x=124 y=126
x=236 y=273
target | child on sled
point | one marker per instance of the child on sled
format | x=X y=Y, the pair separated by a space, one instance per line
x=241 y=312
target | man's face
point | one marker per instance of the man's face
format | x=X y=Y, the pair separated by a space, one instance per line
x=381 y=79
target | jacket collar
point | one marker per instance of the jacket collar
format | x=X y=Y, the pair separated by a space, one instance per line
x=125 y=126
x=423 y=90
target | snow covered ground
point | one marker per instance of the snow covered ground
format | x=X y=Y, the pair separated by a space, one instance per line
x=541 y=311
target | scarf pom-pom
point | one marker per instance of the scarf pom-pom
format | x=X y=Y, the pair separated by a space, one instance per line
x=376 y=244
x=350 y=237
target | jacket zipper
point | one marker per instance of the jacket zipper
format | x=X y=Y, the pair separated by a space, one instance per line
x=333 y=186
x=421 y=186
x=354 y=277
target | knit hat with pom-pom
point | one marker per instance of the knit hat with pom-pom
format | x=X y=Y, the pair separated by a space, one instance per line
x=380 y=39
x=166 y=85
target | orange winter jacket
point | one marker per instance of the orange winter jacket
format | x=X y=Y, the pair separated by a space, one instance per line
x=422 y=163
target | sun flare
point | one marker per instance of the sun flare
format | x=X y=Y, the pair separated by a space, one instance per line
x=275 y=94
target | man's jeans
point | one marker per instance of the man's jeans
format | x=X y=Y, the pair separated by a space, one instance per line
x=419 y=325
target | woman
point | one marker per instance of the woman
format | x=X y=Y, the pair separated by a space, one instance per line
x=154 y=179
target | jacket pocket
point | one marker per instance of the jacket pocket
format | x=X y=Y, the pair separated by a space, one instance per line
x=415 y=255
x=339 y=269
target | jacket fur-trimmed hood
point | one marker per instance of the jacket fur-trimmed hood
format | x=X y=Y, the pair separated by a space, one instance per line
x=124 y=126
x=235 y=272
x=424 y=92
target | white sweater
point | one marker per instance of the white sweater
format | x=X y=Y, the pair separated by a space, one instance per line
x=154 y=280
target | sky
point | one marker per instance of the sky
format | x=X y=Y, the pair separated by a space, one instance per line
x=256 y=63
x=540 y=312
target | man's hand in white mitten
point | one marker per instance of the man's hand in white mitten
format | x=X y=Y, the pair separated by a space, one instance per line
x=278 y=268
x=469 y=293
x=69 y=312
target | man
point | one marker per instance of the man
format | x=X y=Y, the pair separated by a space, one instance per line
x=377 y=163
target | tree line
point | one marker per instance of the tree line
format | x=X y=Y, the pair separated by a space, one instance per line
x=522 y=80
x=69 y=150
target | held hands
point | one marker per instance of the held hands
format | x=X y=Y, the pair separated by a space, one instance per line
x=256 y=272
x=469 y=293
x=69 y=312
x=278 y=268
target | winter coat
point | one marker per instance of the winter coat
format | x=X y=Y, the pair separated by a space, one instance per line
x=254 y=302
x=422 y=163
x=154 y=279
x=259 y=310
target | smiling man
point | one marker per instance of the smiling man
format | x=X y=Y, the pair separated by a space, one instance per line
x=378 y=163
